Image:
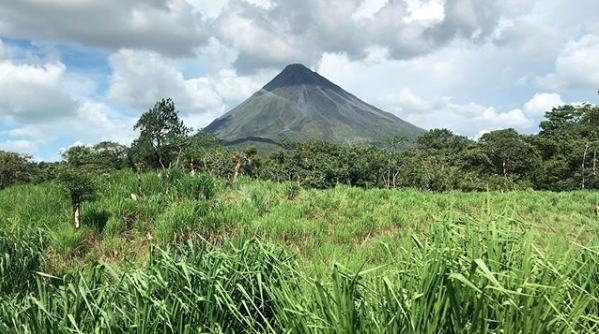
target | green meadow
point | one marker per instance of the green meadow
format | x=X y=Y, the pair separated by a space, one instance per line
x=196 y=255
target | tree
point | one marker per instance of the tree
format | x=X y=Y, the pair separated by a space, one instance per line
x=435 y=162
x=569 y=142
x=105 y=155
x=321 y=164
x=204 y=153
x=16 y=168
x=78 y=185
x=511 y=154
x=77 y=156
x=110 y=155
x=252 y=162
x=392 y=168
x=162 y=138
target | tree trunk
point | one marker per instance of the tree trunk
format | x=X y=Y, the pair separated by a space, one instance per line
x=138 y=175
x=595 y=161
x=238 y=165
x=76 y=215
x=584 y=157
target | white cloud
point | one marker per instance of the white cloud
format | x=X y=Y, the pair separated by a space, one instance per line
x=440 y=112
x=481 y=133
x=33 y=93
x=21 y=146
x=542 y=103
x=173 y=27
x=92 y=122
x=368 y=8
x=302 y=31
x=576 y=67
x=38 y=108
x=140 y=78
x=211 y=8
x=427 y=12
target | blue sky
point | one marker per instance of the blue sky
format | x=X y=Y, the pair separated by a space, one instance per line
x=81 y=72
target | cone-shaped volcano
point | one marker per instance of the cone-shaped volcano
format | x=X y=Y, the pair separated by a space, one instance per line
x=300 y=105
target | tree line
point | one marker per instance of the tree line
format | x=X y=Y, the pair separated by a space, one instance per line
x=561 y=157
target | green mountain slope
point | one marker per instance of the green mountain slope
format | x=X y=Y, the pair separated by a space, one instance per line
x=300 y=105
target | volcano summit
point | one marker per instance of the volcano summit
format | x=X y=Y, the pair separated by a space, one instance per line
x=299 y=105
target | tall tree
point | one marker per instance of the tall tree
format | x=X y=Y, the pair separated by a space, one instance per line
x=392 y=168
x=569 y=142
x=511 y=154
x=162 y=137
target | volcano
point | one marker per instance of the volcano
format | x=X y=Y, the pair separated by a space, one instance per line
x=300 y=105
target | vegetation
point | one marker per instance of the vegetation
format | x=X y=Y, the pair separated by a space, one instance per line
x=15 y=168
x=180 y=234
x=562 y=157
x=78 y=186
x=262 y=256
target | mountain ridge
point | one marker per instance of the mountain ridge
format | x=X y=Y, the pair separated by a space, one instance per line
x=298 y=105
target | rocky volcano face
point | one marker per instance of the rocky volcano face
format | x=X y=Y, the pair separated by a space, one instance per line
x=300 y=105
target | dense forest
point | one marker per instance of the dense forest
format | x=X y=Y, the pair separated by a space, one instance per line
x=561 y=157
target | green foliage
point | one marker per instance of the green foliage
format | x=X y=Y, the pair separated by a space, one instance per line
x=21 y=258
x=179 y=219
x=569 y=142
x=563 y=156
x=102 y=156
x=205 y=154
x=251 y=162
x=471 y=277
x=162 y=136
x=388 y=260
x=76 y=183
x=292 y=190
x=16 y=168
x=510 y=154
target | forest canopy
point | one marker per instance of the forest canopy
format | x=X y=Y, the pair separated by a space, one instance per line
x=561 y=157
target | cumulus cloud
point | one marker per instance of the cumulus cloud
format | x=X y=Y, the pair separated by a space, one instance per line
x=470 y=119
x=267 y=33
x=140 y=78
x=33 y=93
x=576 y=67
x=21 y=146
x=302 y=31
x=173 y=27
x=91 y=122
x=37 y=108
x=542 y=103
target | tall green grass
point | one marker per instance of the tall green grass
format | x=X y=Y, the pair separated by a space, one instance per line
x=471 y=277
x=193 y=255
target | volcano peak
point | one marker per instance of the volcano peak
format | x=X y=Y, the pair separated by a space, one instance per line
x=299 y=105
x=299 y=75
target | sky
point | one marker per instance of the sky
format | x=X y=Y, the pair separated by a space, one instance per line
x=78 y=72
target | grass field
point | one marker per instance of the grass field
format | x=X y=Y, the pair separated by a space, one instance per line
x=267 y=257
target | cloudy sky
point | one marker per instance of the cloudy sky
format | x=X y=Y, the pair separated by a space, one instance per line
x=82 y=71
